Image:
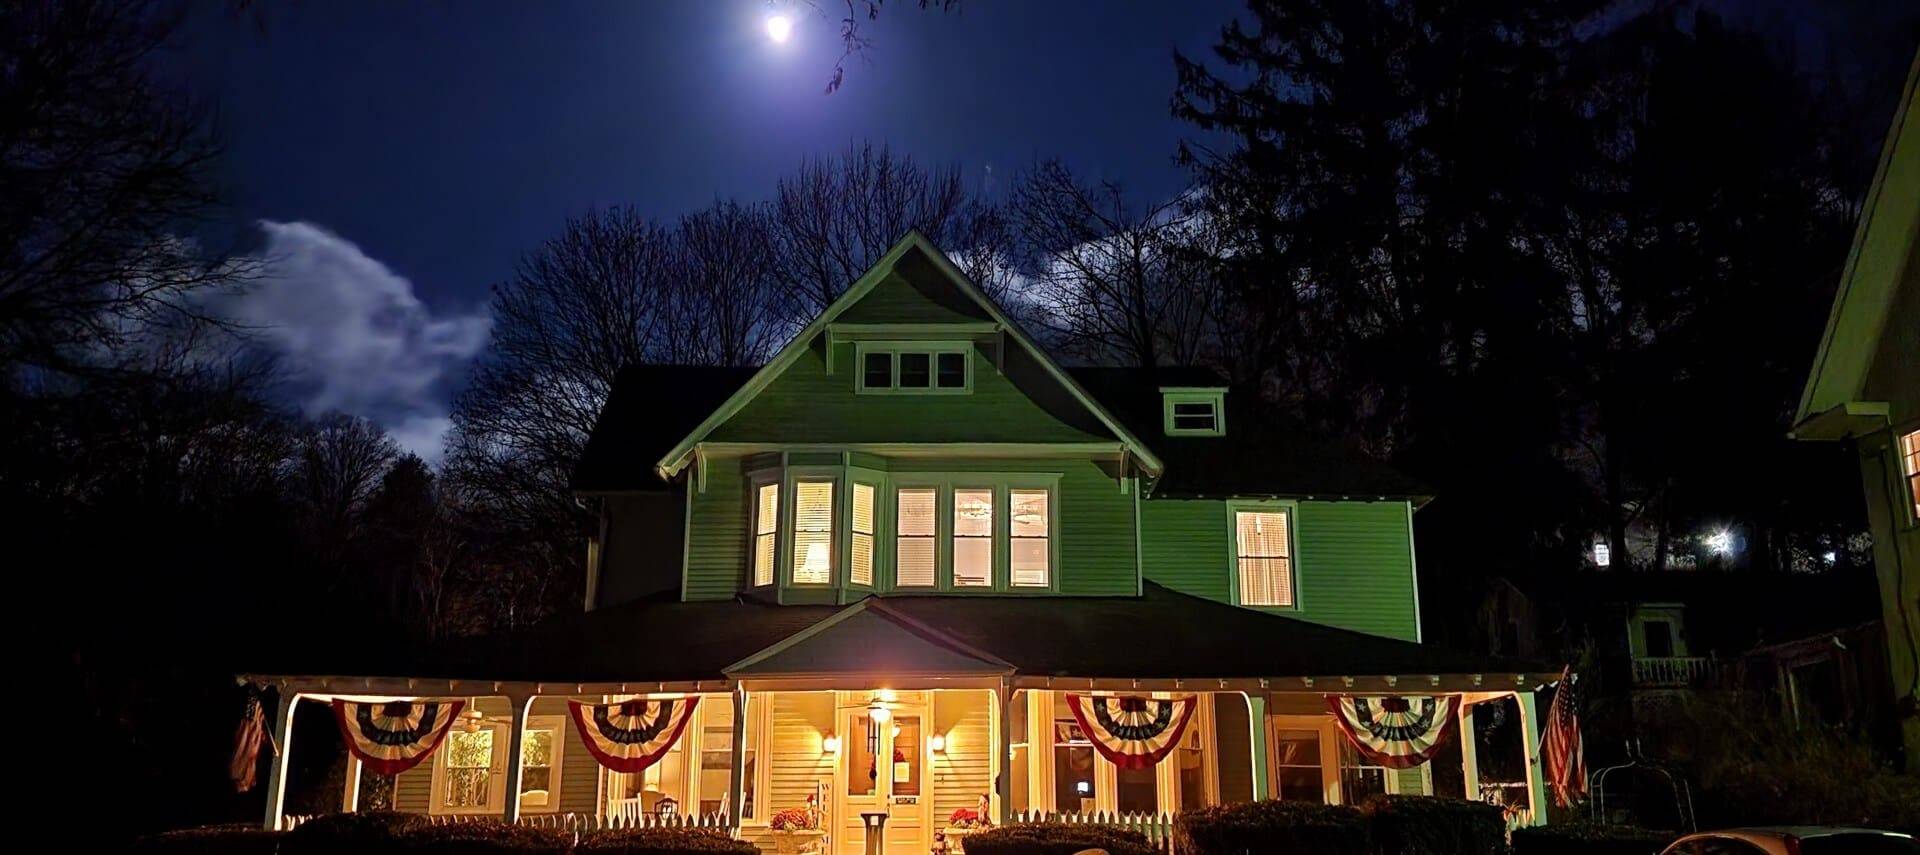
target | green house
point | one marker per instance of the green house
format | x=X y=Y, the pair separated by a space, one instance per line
x=913 y=534
x=1865 y=389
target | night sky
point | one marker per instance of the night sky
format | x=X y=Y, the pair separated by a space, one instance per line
x=395 y=159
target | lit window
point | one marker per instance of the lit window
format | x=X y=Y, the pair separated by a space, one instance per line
x=914 y=542
x=766 y=528
x=468 y=775
x=716 y=758
x=860 y=562
x=1263 y=557
x=1073 y=764
x=539 y=773
x=1030 y=551
x=1602 y=553
x=812 y=532
x=1910 y=459
x=972 y=538
x=1297 y=766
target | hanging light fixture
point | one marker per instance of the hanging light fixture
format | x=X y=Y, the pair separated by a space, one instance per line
x=471 y=717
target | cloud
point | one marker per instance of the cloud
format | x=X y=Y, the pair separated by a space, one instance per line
x=352 y=335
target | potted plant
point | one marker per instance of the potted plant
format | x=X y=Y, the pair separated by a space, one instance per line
x=960 y=823
x=795 y=830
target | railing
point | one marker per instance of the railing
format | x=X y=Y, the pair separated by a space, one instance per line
x=1156 y=827
x=1671 y=671
x=574 y=822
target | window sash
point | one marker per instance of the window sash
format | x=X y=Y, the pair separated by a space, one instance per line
x=766 y=532
x=975 y=511
x=861 y=539
x=813 y=532
x=1263 y=559
x=1029 y=530
x=916 y=534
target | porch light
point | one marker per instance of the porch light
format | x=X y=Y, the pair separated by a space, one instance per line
x=879 y=712
x=938 y=743
x=830 y=745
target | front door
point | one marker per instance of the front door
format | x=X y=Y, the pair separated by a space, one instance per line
x=882 y=769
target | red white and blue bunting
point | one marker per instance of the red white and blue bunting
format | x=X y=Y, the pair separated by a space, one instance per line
x=391 y=737
x=1132 y=731
x=1395 y=732
x=629 y=736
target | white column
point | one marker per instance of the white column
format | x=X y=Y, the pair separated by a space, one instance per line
x=737 y=786
x=516 y=739
x=1257 y=733
x=1002 y=767
x=1536 y=771
x=1469 y=746
x=350 y=793
x=282 y=747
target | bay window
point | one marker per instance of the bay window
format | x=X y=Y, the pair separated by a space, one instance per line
x=973 y=538
x=766 y=532
x=813 y=533
x=915 y=565
x=860 y=546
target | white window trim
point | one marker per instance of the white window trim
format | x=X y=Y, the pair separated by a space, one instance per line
x=1043 y=705
x=1292 y=511
x=497 y=769
x=1912 y=495
x=1332 y=743
x=1214 y=396
x=755 y=482
x=895 y=348
x=1001 y=484
x=837 y=526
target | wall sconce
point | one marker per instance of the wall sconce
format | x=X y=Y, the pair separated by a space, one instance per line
x=938 y=742
x=830 y=745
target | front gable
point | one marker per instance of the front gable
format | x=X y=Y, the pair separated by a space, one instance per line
x=809 y=395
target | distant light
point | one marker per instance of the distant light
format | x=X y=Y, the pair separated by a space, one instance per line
x=1720 y=542
x=779 y=28
x=1602 y=553
x=1831 y=557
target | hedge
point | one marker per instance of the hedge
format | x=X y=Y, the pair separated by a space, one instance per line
x=484 y=838
x=211 y=840
x=664 y=841
x=1270 y=826
x=366 y=833
x=1424 y=825
x=1057 y=838
x=1589 y=839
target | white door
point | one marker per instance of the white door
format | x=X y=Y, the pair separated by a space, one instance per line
x=470 y=770
x=882 y=769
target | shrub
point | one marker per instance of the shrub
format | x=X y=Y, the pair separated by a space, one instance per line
x=370 y=833
x=665 y=841
x=1423 y=825
x=1057 y=838
x=1269 y=826
x=212 y=840
x=484 y=838
x=1586 y=838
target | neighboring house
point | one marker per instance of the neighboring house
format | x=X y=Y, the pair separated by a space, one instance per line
x=913 y=535
x=1865 y=388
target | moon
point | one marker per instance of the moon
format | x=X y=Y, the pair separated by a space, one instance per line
x=779 y=28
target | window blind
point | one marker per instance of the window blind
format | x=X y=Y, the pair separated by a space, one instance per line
x=766 y=527
x=972 y=538
x=812 y=532
x=860 y=562
x=914 y=541
x=1031 y=555
x=1264 y=558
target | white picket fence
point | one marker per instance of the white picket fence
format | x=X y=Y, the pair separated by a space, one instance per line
x=574 y=822
x=1156 y=827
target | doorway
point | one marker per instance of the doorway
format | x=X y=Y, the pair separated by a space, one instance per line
x=883 y=768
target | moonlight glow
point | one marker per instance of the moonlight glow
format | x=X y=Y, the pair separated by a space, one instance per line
x=779 y=28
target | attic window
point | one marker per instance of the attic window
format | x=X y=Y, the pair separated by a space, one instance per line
x=915 y=368
x=1194 y=411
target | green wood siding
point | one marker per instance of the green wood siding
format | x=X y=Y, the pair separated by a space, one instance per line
x=897 y=300
x=716 y=558
x=1353 y=560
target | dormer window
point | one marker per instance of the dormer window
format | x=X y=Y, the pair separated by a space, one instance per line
x=915 y=368
x=1194 y=411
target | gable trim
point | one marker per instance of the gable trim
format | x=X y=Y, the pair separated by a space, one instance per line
x=872 y=604
x=675 y=460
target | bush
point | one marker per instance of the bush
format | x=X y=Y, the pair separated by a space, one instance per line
x=370 y=833
x=665 y=841
x=212 y=840
x=1424 y=825
x=1057 y=838
x=484 y=838
x=1269 y=826
x=1586 y=838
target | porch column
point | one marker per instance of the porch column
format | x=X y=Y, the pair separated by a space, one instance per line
x=1257 y=727
x=282 y=747
x=516 y=740
x=350 y=793
x=1536 y=771
x=737 y=788
x=1002 y=767
x=1469 y=748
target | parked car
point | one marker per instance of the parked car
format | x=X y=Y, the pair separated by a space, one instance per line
x=1795 y=840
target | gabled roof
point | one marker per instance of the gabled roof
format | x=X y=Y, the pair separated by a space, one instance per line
x=1260 y=455
x=677 y=456
x=869 y=638
x=650 y=408
x=1883 y=247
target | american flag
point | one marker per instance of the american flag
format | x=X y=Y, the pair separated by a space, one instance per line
x=1566 y=760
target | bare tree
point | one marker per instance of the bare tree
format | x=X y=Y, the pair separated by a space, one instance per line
x=723 y=310
x=101 y=172
x=1113 y=281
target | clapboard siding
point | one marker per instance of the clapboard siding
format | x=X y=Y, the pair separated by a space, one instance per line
x=716 y=558
x=800 y=721
x=1353 y=560
x=963 y=773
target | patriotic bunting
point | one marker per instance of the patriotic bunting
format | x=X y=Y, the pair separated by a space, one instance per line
x=629 y=736
x=1132 y=731
x=1395 y=732
x=391 y=737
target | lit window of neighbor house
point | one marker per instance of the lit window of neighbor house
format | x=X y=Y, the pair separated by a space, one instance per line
x=1910 y=459
x=1263 y=558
